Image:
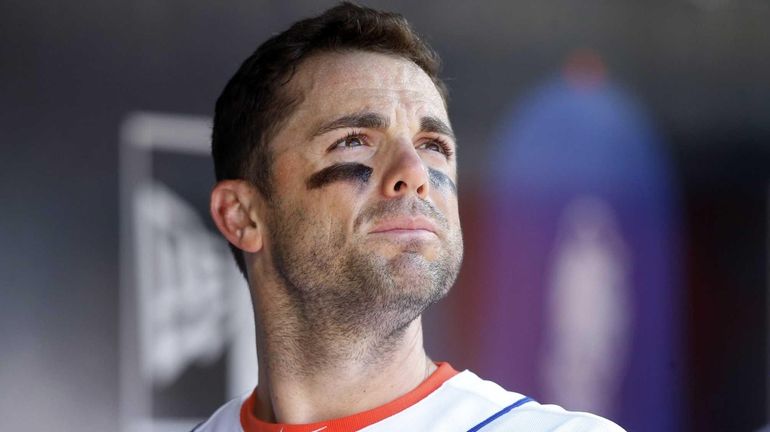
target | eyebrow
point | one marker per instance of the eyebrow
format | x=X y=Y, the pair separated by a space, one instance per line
x=436 y=125
x=370 y=120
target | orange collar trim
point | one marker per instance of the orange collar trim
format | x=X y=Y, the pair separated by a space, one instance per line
x=251 y=423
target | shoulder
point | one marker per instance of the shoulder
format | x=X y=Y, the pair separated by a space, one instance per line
x=534 y=416
x=226 y=419
x=518 y=412
x=469 y=403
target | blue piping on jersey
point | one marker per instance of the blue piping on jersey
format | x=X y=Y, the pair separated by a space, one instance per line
x=519 y=402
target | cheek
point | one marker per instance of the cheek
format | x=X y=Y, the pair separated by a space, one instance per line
x=446 y=201
x=333 y=213
x=454 y=215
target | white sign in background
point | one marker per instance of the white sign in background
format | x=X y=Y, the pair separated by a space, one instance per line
x=183 y=302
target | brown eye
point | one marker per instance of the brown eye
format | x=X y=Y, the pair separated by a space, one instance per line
x=437 y=146
x=433 y=145
x=349 y=142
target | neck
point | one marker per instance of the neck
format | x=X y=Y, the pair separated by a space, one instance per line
x=306 y=376
x=343 y=388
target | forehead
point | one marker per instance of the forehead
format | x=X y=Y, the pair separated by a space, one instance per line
x=352 y=81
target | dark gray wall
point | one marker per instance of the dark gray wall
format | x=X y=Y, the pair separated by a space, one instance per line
x=70 y=71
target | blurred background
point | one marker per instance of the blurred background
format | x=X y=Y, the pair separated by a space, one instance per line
x=614 y=192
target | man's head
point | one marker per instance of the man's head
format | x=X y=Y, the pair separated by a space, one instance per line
x=257 y=100
x=337 y=170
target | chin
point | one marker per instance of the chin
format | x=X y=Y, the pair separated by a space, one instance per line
x=410 y=251
x=414 y=275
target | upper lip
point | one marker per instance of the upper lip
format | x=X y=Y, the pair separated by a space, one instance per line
x=404 y=223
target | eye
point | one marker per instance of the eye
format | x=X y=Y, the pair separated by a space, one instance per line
x=437 y=145
x=351 y=140
x=433 y=145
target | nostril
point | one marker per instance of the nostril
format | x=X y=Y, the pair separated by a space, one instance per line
x=398 y=185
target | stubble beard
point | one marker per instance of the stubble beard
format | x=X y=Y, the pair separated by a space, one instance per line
x=355 y=302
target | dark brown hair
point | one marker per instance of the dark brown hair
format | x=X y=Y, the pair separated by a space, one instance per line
x=254 y=104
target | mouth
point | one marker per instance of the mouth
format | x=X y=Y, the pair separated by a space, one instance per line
x=405 y=226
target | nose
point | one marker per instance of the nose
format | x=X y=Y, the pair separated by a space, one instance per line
x=406 y=173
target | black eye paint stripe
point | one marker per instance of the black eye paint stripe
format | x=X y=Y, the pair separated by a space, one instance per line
x=361 y=173
x=339 y=172
x=439 y=179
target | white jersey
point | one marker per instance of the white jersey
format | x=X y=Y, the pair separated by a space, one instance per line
x=464 y=402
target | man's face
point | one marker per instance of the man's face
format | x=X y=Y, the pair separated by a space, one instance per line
x=364 y=226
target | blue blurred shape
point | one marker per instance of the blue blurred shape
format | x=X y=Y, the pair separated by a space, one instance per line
x=583 y=255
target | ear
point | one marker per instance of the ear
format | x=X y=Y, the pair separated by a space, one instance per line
x=233 y=208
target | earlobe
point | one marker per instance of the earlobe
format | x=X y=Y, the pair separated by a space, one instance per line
x=231 y=209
